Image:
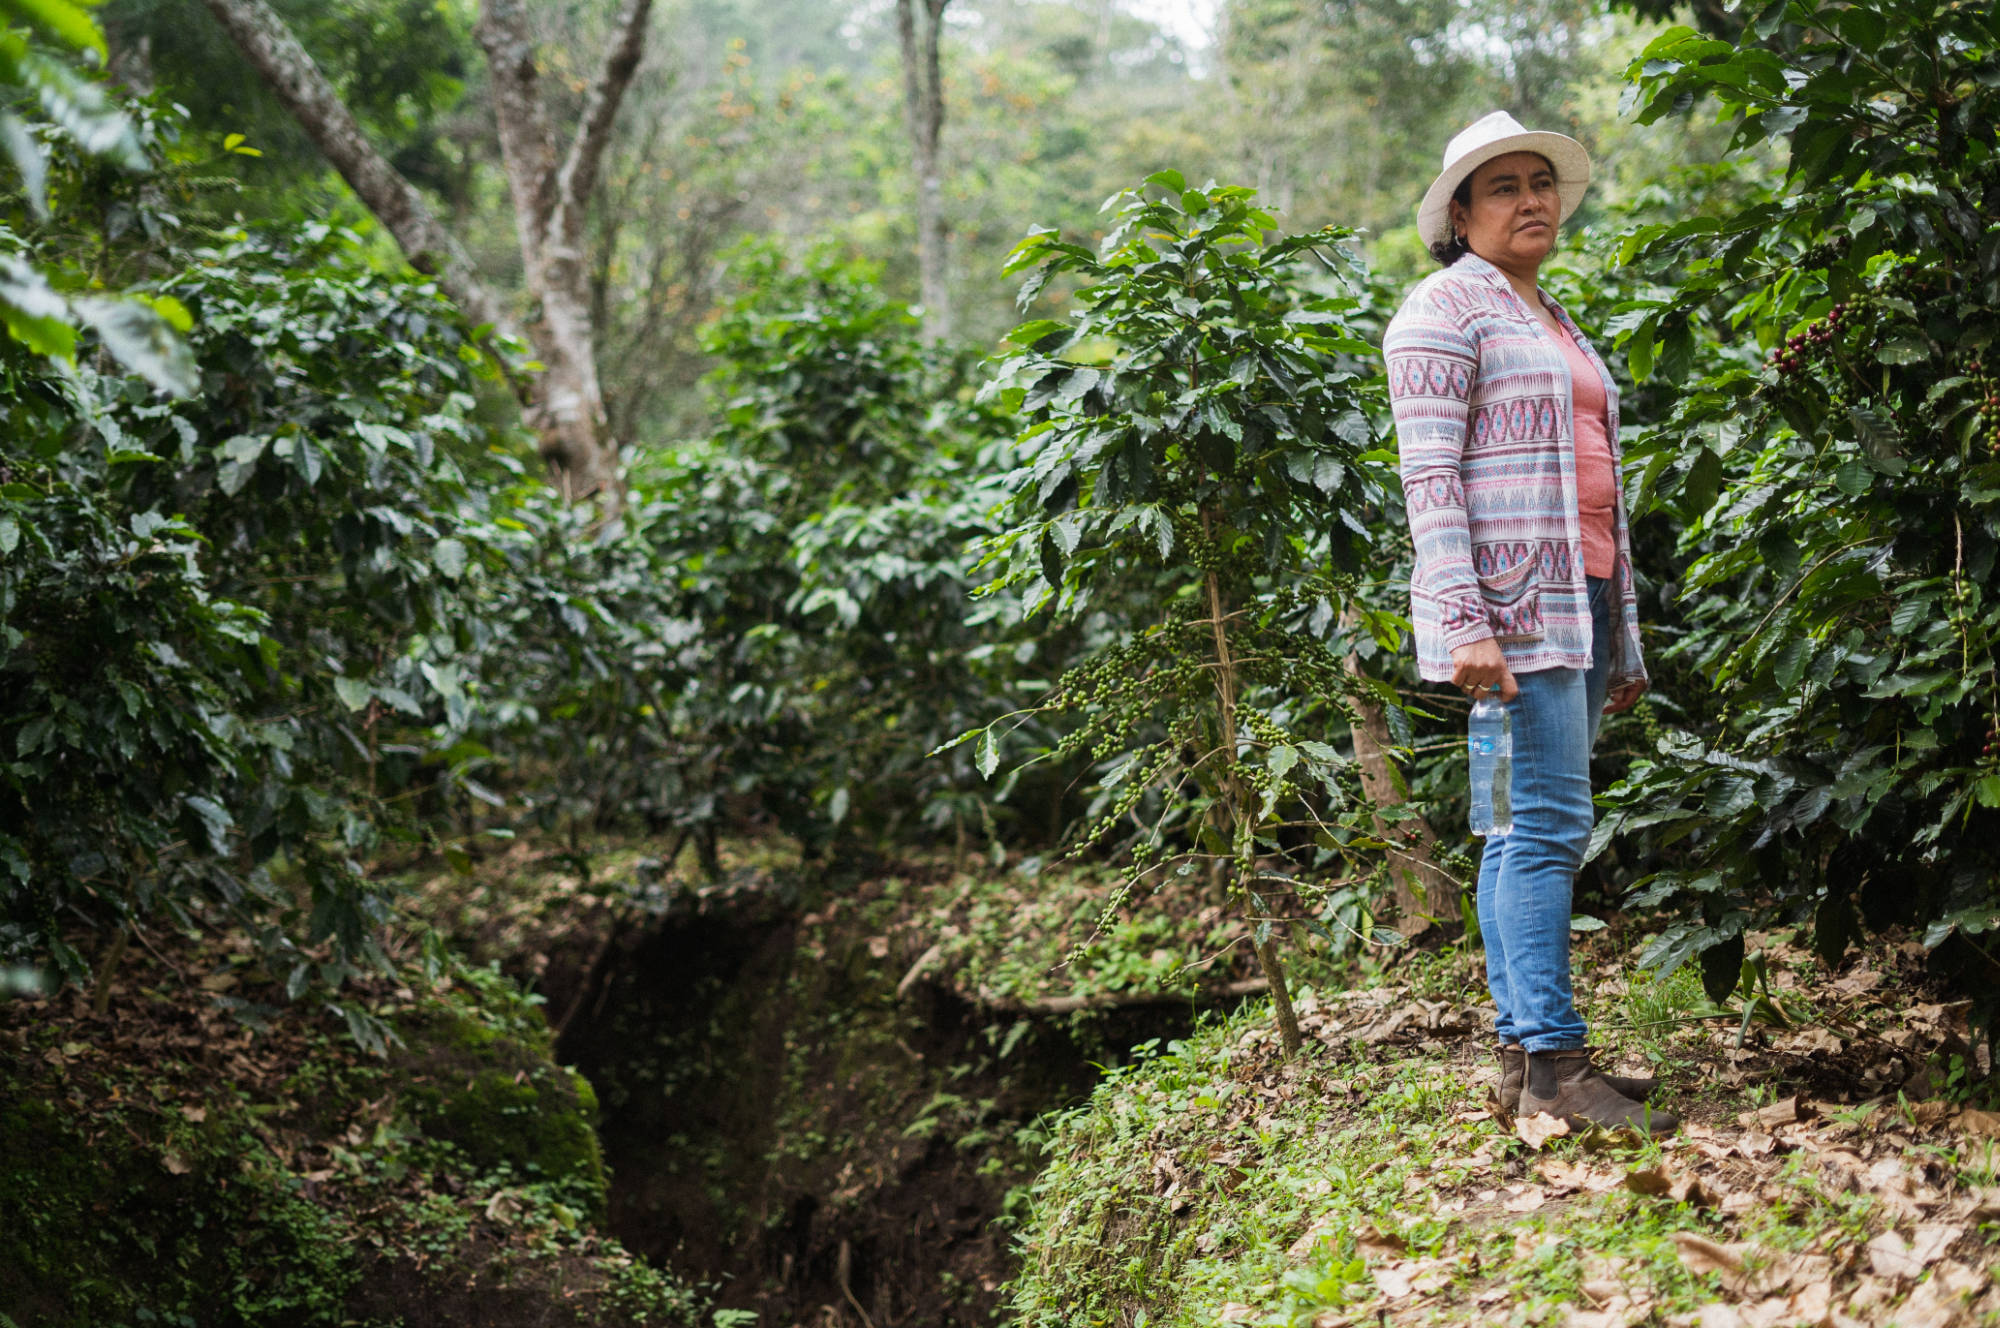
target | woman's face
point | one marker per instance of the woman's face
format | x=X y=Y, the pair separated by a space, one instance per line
x=1511 y=222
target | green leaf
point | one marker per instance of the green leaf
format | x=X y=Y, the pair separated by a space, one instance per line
x=1704 y=478
x=988 y=759
x=1864 y=28
x=1853 y=478
x=1790 y=666
x=1281 y=760
x=449 y=557
x=1027 y=334
x=35 y=315
x=215 y=819
x=1584 y=922
x=173 y=311
x=26 y=154
x=142 y=340
x=1639 y=351
x=61 y=20
x=1677 y=353
x=1722 y=968
x=353 y=692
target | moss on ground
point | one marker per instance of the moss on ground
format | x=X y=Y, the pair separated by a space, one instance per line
x=174 y=1163
x=492 y=1089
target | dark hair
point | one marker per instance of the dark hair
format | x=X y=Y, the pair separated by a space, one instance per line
x=1453 y=248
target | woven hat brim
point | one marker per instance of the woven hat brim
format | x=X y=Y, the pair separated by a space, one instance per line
x=1572 y=165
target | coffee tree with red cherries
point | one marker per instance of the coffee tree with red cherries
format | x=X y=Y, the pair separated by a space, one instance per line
x=1835 y=442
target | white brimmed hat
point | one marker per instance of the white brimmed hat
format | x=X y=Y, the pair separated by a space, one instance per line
x=1495 y=136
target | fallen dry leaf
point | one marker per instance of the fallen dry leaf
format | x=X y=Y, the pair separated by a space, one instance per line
x=1889 y=1255
x=1778 y=1113
x=1562 y=1176
x=1236 y=1312
x=1652 y=1181
x=1754 y=1145
x=1392 y=1282
x=1528 y=1200
x=1749 y=1270
x=1939 y=1301
x=1931 y=1240
x=1984 y=1124
x=1718 y=1315
x=1928 y=1115
x=1814 y=1040
x=1302 y=1248
x=195 y=1115
x=175 y=1163
x=1701 y=1255
x=1984 y=1201
x=1538 y=1129
x=1375 y=1243
x=1688 y=1190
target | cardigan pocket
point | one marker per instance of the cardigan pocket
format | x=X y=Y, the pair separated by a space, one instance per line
x=1510 y=581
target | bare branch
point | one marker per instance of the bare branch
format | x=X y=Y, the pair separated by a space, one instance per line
x=578 y=175
x=299 y=83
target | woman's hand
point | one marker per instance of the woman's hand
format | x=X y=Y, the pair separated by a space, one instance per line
x=1624 y=698
x=1480 y=669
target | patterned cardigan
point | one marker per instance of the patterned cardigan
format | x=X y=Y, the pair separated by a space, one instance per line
x=1482 y=401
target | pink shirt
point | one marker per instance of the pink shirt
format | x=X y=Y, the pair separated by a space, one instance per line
x=1596 y=475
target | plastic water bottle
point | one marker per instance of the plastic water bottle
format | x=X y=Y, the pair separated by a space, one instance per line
x=1490 y=739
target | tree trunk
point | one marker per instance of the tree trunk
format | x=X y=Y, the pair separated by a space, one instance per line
x=1422 y=887
x=1235 y=797
x=563 y=403
x=923 y=102
x=550 y=202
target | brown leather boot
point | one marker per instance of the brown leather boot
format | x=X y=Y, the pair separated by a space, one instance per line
x=1566 y=1085
x=1514 y=1064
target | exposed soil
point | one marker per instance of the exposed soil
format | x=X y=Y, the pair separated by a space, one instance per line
x=760 y=1080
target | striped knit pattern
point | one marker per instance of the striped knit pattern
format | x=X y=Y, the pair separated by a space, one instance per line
x=1482 y=400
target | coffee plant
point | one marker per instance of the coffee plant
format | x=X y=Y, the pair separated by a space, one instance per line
x=1197 y=477
x=1830 y=441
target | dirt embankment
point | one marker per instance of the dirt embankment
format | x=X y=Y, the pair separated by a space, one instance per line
x=785 y=1115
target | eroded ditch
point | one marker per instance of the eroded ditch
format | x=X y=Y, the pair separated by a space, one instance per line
x=780 y=1122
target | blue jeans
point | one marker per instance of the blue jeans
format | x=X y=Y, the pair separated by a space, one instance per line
x=1526 y=878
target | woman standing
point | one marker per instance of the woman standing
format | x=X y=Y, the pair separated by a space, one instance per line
x=1508 y=427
